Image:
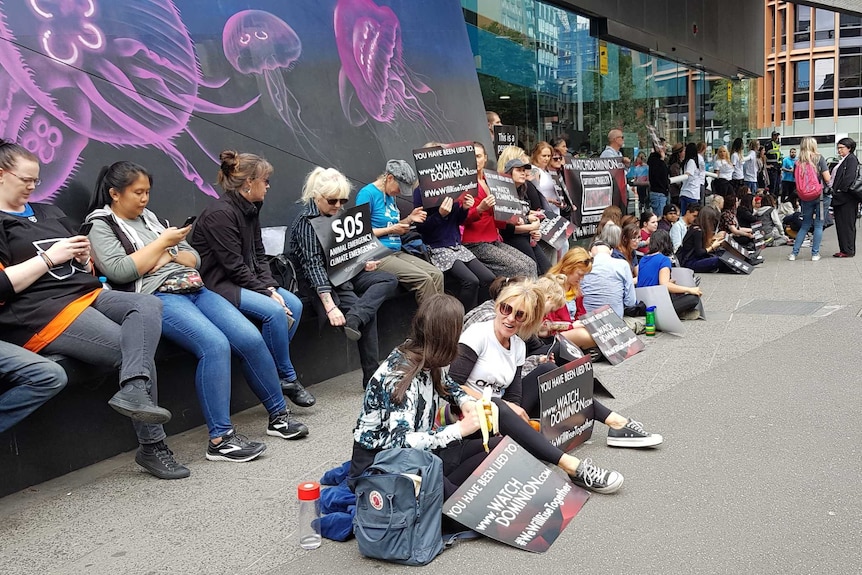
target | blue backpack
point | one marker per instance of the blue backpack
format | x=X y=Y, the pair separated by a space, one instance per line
x=392 y=521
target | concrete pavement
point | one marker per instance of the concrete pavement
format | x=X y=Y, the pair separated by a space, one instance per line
x=759 y=472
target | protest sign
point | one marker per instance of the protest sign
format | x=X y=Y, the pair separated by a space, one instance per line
x=735 y=263
x=562 y=191
x=593 y=185
x=446 y=171
x=685 y=277
x=564 y=351
x=516 y=499
x=556 y=232
x=504 y=136
x=348 y=242
x=508 y=207
x=736 y=251
x=666 y=318
x=614 y=338
x=566 y=404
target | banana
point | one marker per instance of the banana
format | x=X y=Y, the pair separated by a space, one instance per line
x=489 y=417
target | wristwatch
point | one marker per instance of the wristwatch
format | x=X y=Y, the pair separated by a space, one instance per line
x=174 y=251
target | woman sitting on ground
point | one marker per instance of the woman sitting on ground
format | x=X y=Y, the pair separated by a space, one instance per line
x=491 y=355
x=138 y=254
x=655 y=268
x=701 y=244
x=351 y=306
x=729 y=224
x=233 y=263
x=59 y=307
x=630 y=235
x=648 y=224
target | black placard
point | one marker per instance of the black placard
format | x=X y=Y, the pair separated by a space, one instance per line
x=446 y=171
x=614 y=338
x=593 y=185
x=504 y=136
x=566 y=404
x=556 y=231
x=516 y=499
x=348 y=242
x=508 y=207
x=735 y=262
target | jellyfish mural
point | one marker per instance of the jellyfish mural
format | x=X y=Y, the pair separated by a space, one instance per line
x=260 y=43
x=121 y=73
x=373 y=72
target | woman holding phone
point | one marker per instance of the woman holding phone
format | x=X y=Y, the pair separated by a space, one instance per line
x=136 y=253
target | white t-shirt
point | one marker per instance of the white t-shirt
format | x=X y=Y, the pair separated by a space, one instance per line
x=691 y=187
x=496 y=365
x=724 y=169
x=736 y=160
x=749 y=168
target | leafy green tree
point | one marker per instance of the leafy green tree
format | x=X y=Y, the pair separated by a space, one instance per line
x=731 y=113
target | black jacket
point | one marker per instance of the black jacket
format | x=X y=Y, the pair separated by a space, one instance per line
x=227 y=237
x=844 y=178
x=659 y=180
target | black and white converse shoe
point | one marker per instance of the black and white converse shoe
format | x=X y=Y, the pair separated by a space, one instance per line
x=633 y=434
x=594 y=478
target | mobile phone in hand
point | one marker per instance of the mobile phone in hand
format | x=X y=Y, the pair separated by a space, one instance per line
x=189 y=221
x=85 y=228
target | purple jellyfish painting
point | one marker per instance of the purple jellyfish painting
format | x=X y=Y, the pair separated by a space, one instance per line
x=120 y=73
x=368 y=38
x=260 y=43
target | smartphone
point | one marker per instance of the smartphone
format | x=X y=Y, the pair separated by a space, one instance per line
x=85 y=228
x=189 y=221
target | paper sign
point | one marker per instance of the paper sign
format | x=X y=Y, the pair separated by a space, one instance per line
x=614 y=338
x=566 y=404
x=508 y=207
x=504 y=136
x=516 y=499
x=446 y=171
x=556 y=232
x=348 y=242
x=593 y=185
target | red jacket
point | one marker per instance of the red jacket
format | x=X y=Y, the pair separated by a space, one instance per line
x=481 y=226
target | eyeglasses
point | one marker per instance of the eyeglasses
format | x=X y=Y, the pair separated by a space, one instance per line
x=27 y=181
x=557 y=158
x=506 y=310
x=336 y=201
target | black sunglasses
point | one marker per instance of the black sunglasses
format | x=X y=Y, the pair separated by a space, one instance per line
x=506 y=310
x=557 y=158
x=337 y=201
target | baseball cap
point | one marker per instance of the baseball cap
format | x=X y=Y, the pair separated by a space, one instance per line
x=516 y=163
x=403 y=174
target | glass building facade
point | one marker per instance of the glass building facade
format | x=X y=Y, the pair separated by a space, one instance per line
x=541 y=70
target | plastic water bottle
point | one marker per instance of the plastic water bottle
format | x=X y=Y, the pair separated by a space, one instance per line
x=104 y=281
x=650 y=320
x=309 y=515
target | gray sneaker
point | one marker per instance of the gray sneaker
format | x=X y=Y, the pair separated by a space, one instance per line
x=594 y=478
x=133 y=401
x=633 y=434
x=158 y=460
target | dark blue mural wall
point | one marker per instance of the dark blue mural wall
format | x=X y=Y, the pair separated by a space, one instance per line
x=347 y=83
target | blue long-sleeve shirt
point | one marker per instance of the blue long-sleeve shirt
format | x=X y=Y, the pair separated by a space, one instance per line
x=609 y=283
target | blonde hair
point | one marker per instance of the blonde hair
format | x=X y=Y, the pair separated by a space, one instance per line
x=808 y=151
x=528 y=297
x=509 y=153
x=325 y=182
x=552 y=286
x=722 y=153
x=236 y=168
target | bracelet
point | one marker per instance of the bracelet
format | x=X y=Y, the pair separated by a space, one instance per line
x=47 y=260
x=330 y=310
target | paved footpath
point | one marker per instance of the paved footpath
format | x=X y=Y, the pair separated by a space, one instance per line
x=760 y=470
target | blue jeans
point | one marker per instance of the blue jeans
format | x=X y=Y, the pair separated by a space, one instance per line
x=210 y=327
x=684 y=202
x=275 y=330
x=657 y=202
x=810 y=216
x=34 y=380
x=752 y=186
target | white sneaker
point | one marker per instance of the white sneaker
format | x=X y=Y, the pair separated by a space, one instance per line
x=815 y=258
x=792 y=257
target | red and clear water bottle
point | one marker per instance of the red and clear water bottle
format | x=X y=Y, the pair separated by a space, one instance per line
x=309 y=515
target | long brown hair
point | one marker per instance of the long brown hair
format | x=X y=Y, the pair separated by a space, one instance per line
x=630 y=232
x=433 y=342
x=707 y=220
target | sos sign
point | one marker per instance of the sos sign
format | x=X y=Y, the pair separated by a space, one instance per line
x=347 y=242
x=348 y=227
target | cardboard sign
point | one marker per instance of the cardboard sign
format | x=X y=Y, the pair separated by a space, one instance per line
x=348 y=242
x=508 y=207
x=561 y=189
x=735 y=263
x=566 y=404
x=504 y=136
x=446 y=171
x=564 y=351
x=593 y=185
x=556 y=232
x=666 y=318
x=516 y=499
x=685 y=278
x=614 y=338
x=739 y=252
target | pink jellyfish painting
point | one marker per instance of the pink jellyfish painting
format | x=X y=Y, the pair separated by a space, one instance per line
x=373 y=72
x=260 y=43
x=121 y=73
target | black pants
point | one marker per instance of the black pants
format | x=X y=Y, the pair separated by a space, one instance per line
x=521 y=242
x=472 y=279
x=362 y=297
x=845 y=226
x=788 y=192
x=683 y=302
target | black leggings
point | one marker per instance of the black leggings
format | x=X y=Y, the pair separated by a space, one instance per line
x=472 y=279
x=683 y=302
x=521 y=242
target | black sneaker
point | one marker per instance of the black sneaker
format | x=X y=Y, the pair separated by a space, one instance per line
x=595 y=478
x=281 y=426
x=234 y=447
x=351 y=328
x=158 y=460
x=295 y=392
x=633 y=435
x=133 y=401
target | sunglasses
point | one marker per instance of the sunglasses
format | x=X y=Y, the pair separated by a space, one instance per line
x=557 y=158
x=506 y=310
x=337 y=201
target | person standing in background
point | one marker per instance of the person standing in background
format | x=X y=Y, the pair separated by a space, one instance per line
x=788 y=180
